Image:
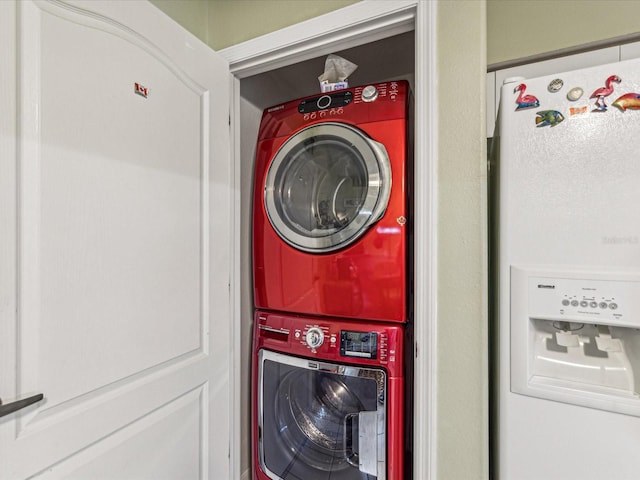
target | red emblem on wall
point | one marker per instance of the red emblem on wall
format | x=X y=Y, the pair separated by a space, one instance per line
x=141 y=90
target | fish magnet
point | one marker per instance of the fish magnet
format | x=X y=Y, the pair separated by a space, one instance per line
x=575 y=94
x=555 y=85
x=629 y=101
x=546 y=118
x=525 y=101
x=603 y=92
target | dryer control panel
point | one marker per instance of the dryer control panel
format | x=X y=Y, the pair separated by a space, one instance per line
x=369 y=103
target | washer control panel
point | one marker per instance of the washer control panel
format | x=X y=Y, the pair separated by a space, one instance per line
x=347 y=341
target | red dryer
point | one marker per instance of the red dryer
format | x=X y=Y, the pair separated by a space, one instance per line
x=330 y=212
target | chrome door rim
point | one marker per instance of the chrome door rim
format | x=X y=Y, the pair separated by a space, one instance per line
x=378 y=171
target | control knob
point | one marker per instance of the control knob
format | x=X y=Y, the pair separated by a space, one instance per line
x=369 y=93
x=314 y=337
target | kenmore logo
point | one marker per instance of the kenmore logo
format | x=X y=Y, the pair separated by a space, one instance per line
x=630 y=240
x=546 y=286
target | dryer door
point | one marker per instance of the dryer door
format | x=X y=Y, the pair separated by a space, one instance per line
x=320 y=421
x=325 y=186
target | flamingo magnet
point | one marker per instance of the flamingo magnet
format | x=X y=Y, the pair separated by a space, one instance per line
x=603 y=92
x=525 y=101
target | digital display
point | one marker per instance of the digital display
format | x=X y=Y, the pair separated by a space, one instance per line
x=358 y=344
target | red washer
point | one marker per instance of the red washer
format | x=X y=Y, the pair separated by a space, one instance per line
x=328 y=399
x=330 y=212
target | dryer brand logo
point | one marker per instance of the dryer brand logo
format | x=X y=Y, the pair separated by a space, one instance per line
x=542 y=285
x=275 y=109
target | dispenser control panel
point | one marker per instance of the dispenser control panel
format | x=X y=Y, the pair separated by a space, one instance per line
x=585 y=299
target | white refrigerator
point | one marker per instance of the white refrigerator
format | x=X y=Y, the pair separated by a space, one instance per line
x=566 y=379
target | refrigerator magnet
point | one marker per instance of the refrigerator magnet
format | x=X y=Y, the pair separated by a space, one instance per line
x=525 y=101
x=577 y=110
x=629 y=101
x=603 y=92
x=550 y=118
x=555 y=85
x=575 y=94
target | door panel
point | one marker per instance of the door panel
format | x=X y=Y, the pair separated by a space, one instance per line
x=114 y=197
x=119 y=161
x=135 y=453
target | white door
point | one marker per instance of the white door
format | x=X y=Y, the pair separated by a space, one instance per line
x=114 y=244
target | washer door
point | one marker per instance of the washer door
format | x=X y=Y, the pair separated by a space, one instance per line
x=320 y=421
x=326 y=185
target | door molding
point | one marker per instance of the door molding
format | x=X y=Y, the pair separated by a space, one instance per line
x=360 y=23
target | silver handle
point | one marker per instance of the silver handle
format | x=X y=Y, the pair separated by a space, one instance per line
x=19 y=404
x=366 y=460
x=349 y=454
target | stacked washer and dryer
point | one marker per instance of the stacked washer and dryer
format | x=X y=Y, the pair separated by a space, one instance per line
x=333 y=286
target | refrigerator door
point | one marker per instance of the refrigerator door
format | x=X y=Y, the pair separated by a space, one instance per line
x=569 y=201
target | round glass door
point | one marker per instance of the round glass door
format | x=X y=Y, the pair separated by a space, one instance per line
x=326 y=185
x=312 y=420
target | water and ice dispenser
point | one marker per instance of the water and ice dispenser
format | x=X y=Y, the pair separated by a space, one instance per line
x=575 y=338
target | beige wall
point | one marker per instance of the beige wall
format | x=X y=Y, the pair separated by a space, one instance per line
x=191 y=14
x=519 y=29
x=462 y=372
x=221 y=23
x=233 y=21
